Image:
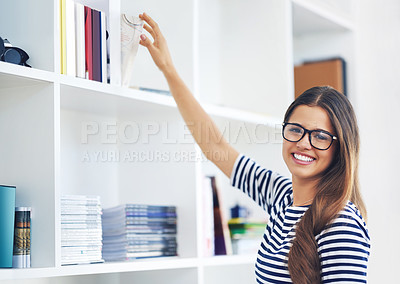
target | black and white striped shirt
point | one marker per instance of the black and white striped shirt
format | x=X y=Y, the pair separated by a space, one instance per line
x=343 y=247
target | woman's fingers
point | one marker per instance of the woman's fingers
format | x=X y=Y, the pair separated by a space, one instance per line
x=150 y=30
x=158 y=48
x=150 y=21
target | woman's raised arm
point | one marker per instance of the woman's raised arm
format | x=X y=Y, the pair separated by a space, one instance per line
x=202 y=127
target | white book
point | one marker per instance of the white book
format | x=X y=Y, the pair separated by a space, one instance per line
x=70 y=36
x=80 y=39
x=80 y=197
x=103 y=47
x=208 y=215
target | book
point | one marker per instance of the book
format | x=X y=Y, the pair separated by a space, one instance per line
x=70 y=37
x=63 y=55
x=156 y=91
x=208 y=218
x=88 y=44
x=22 y=238
x=222 y=241
x=246 y=235
x=7 y=213
x=96 y=45
x=80 y=39
x=103 y=30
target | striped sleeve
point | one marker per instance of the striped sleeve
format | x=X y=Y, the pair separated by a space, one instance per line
x=265 y=187
x=344 y=248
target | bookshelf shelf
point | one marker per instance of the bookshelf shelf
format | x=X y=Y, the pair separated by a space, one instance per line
x=111 y=100
x=228 y=260
x=27 y=273
x=101 y=268
x=12 y=75
x=170 y=263
x=241 y=115
x=243 y=86
x=309 y=18
x=131 y=266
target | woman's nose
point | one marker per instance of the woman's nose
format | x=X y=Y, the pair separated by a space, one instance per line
x=304 y=143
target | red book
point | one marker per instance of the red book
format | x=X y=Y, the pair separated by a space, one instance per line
x=96 y=32
x=88 y=43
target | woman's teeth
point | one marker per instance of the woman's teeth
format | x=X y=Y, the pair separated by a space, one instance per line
x=303 y=158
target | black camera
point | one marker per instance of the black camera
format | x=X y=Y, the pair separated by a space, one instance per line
x=11 y=54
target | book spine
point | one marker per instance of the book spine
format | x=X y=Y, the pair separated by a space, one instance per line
x=70 y=37
x=63 y=55
x=103 y=47
x=18 y=254
x=28 y=237
x=80 y=39
x=88 y=43
x=22 y=238
x=96 y=35
x=7 y=213
x=222 y=241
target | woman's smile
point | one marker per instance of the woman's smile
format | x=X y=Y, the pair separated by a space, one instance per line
x=302 y=159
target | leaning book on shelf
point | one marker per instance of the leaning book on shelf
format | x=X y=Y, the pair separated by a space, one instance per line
x=208 y=218
x=219 y=232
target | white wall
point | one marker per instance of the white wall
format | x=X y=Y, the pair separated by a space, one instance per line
x=377 y=105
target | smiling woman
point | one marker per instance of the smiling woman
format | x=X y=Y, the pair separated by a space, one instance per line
x=332 y=178
x=316 y=232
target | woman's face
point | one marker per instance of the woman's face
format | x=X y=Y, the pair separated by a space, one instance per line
x=303 y=160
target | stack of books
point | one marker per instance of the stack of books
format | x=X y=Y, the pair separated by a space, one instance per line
x=81 y=230
x=134 y=231
x=246 y=235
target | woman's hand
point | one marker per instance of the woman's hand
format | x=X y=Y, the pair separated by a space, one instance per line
x=158 y=48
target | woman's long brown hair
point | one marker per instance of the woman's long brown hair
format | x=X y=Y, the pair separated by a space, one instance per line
x=338 y=184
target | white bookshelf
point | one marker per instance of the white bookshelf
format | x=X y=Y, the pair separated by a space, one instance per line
x=236 y=57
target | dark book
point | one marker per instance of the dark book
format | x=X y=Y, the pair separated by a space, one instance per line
x=222 y=242
x=88 y=43
x=96 y=35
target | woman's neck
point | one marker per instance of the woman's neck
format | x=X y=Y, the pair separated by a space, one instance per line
x=303 y=191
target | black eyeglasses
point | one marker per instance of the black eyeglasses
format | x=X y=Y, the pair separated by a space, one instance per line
x=319 y=139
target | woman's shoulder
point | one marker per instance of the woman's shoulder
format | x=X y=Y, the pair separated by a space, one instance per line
x=348 y=223
x=344 y=247
x=351 y=213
